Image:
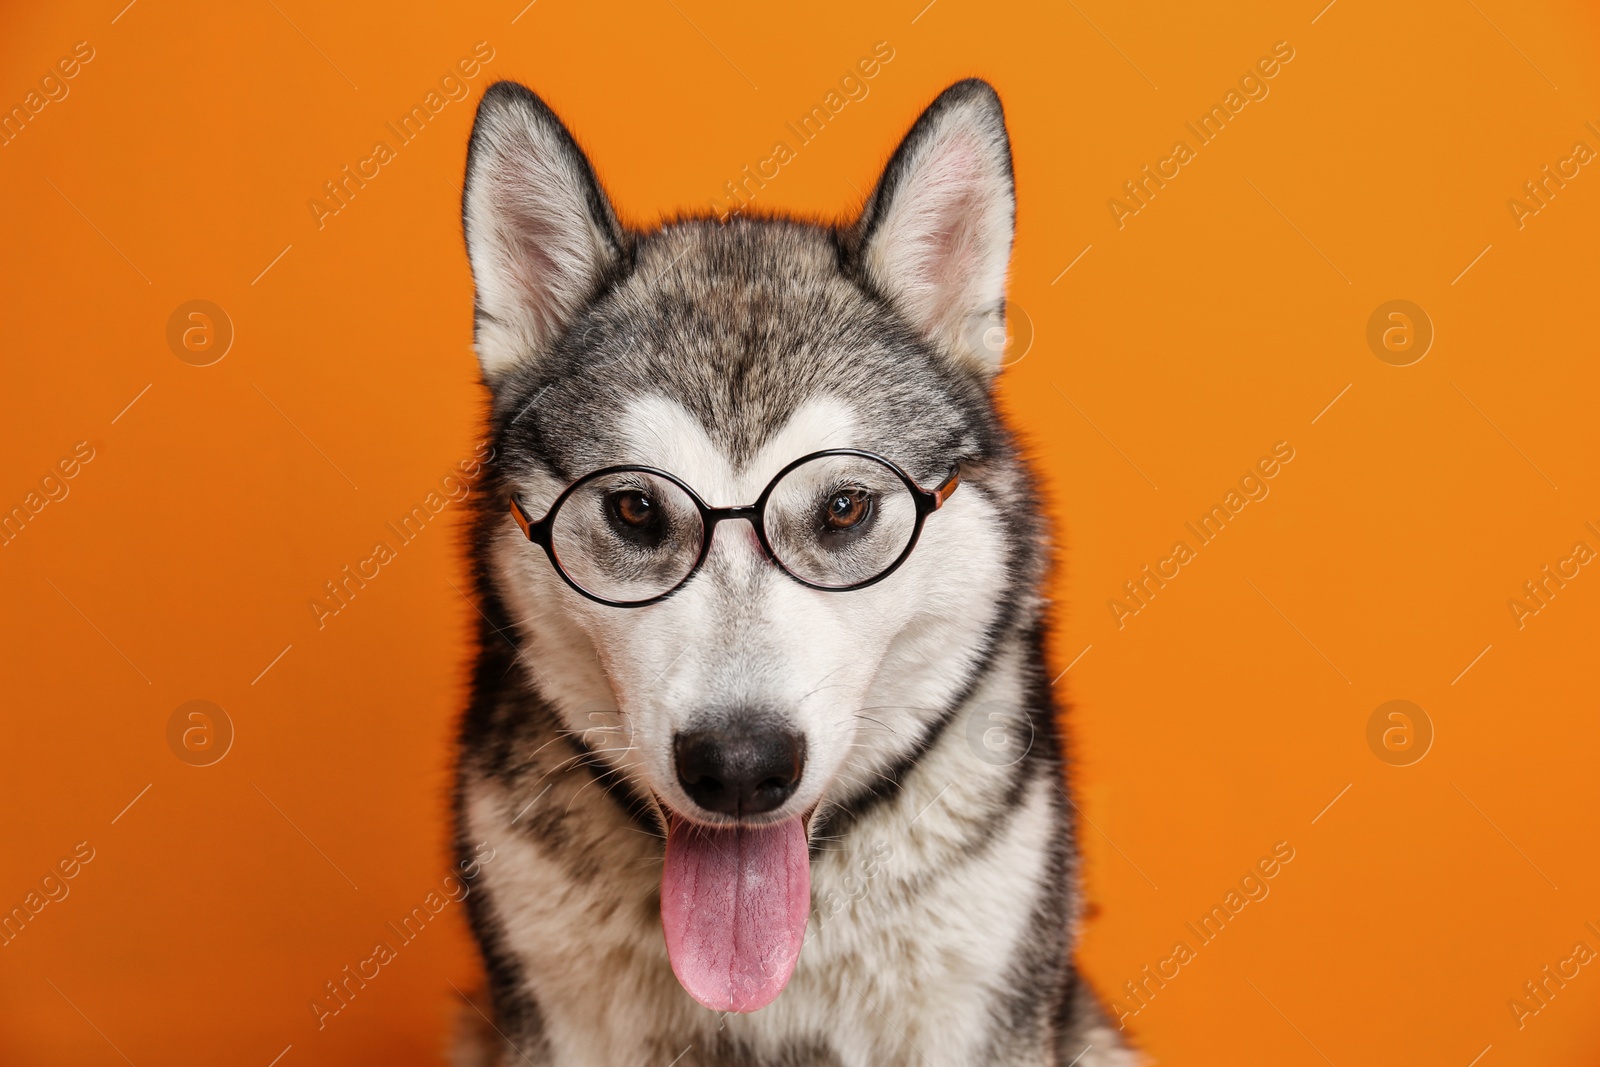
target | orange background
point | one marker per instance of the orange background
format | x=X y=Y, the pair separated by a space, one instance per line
x=1221 y=319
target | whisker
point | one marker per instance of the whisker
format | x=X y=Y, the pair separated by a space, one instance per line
x=878 y=722
x=647 y=833
x=901 y=707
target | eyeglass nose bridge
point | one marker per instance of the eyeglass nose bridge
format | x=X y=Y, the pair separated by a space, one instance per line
x=751 y=513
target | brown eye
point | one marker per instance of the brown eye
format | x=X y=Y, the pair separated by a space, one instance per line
x=633 y=508
x=846 y=510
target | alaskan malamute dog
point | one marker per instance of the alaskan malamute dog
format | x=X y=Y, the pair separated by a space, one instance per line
x=762 y=733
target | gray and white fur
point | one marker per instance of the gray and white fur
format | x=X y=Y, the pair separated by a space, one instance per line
x=944 y=875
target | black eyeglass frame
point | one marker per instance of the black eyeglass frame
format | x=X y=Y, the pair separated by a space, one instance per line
x=926 y=502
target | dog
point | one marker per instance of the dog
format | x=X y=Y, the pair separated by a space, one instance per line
x=761 y=730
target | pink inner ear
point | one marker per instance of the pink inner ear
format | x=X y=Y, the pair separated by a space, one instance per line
x=954 y=243
x=543 y=233
x=943 y=227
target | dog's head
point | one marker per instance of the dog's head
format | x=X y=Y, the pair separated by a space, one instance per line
x=719 y=353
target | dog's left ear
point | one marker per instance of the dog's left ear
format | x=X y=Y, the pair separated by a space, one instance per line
x=935 y=237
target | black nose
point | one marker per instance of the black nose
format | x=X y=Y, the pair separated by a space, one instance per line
x=740 y=770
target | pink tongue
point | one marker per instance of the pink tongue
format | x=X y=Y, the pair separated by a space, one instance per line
x=734 y=904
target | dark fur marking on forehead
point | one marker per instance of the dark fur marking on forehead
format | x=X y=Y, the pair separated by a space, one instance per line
x=741 y=324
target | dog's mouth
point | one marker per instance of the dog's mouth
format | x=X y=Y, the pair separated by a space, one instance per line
x=734 y=903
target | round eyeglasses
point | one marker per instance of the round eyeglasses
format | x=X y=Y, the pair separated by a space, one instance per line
x=835 y=520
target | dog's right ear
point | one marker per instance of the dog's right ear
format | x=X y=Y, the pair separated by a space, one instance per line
x=541 y=234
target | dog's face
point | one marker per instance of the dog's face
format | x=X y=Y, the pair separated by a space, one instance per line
x=721 y=353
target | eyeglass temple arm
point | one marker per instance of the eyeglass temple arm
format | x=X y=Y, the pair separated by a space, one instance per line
x=530 y=529
x=941 y=494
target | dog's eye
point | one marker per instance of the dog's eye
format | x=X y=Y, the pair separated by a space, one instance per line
x=846 y=509
x=632 y=509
